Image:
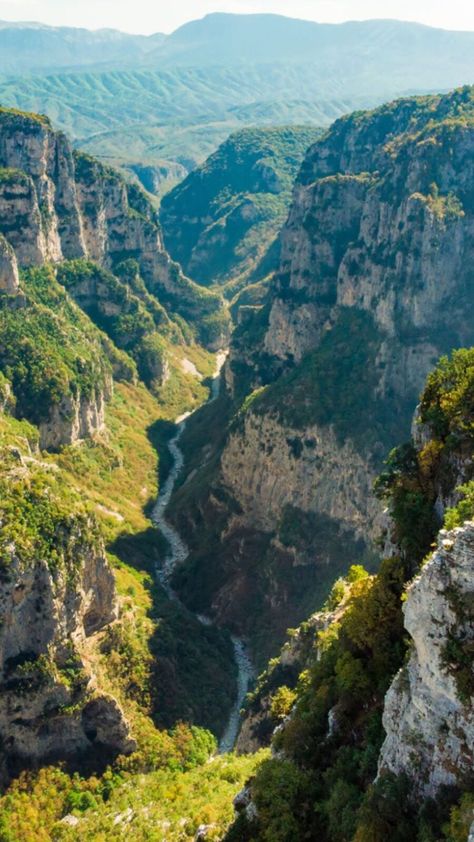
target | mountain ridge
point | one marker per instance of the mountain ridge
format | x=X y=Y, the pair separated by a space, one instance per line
x=166 y=100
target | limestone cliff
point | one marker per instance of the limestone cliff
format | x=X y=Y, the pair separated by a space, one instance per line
x=61 y=208
x=74 y=417
x=58 y=204
x=374 y=283
x=57 y=593
x=428 y=714
x=269 y=467
x=9 y=278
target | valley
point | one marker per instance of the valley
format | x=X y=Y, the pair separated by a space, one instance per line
x=237 y=435
x=177 y=553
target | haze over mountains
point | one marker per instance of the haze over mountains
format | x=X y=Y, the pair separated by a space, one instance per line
x=165 y=100
x=352 y=49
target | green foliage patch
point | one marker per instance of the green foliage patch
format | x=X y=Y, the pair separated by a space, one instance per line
x=223 y=218
x=48 y=349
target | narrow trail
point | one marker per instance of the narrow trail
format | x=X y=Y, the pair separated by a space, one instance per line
x=178 y=553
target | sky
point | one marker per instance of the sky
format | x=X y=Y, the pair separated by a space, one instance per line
x=147 y=16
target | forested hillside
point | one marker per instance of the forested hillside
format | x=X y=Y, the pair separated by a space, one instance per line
x=222 y=222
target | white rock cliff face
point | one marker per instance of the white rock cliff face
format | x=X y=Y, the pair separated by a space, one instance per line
x=267 y=466
x=49 y=703
x=382 y=222
x=9 y=277
x=54 y=205
x=40 y=210
x=428 y=722
x=74 y=418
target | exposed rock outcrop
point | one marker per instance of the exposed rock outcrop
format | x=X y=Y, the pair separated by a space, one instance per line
x=159 y=178
x=268 y=467
x=49 y=704
x=74 y=418
x=374 y=284
x=57 y=204
x=428 y=714
x=9 y=278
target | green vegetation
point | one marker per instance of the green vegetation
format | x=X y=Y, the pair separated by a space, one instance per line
x=8 y=175
x=40 y=518
x=112 y=115
x=317 y=790
x=48 y=356
x=282 y=702
x=221 y=221
x=27 y=119
x=447 y=404
x=122 y=307
x=444 y=207
x=183 y=793
x=414 y=477
x=464 y=510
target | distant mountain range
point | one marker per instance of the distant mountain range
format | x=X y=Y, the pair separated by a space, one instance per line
x=36 y=48
x=134 y=99
x=363 y=55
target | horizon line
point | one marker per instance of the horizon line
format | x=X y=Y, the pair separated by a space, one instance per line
x=38 y=23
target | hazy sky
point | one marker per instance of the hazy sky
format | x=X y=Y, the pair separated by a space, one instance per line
x=165 y=15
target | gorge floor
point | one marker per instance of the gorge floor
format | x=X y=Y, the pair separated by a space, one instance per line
x=178 y=553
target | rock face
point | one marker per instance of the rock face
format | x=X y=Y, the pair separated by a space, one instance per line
x=9 y=278
x=159 y=178
x=428 y=715
x=49 y=704
x=381 y=212
x=268 y=467
x=74 y=418
x=58 y=205
x=375 y=282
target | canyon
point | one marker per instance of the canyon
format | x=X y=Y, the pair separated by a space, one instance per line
x=332 y=362
x=285 y=526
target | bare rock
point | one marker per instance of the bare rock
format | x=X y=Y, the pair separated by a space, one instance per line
x=9 y=279
x=49 y=704
x=428 y=720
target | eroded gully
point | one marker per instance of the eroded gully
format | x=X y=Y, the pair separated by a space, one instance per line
x=178 y=553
